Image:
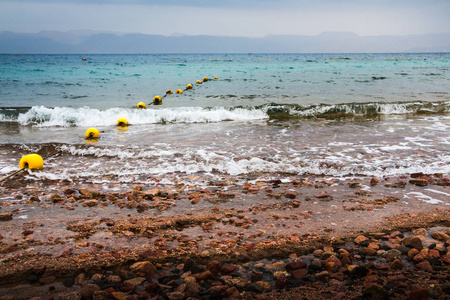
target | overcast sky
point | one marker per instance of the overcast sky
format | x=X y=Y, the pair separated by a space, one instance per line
x=228 y=17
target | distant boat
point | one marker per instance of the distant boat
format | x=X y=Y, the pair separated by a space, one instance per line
x=84 y=58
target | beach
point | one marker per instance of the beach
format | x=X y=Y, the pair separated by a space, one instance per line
x=287 y=177
x=207 y=241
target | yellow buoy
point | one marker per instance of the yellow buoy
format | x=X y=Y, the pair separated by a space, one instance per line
x=205 y=79
x=141 y=105
x=92 y=133
x=169 y=92
x=122 y=122
x=198 y=82
x=32 y=162
x=189 y=86
x=157 y=99
x=179 y=91
x=216 y=77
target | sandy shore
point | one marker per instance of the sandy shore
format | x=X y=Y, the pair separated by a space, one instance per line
x=271 y=236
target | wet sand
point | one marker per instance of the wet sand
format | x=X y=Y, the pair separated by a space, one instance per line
x=249 y=236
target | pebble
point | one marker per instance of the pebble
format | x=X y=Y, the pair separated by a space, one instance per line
x=134 y=281
x=360 y=239
x=413 y=242
x=87 y=290
x=391 y=254
x=299 y=264
x=299 y=273
x=143 y=267
x=227 y=269
x=91 y=203
x=420 y=231
x=440 y=236
x=6 y=216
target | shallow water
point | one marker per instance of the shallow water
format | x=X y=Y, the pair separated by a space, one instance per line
x=357 y=115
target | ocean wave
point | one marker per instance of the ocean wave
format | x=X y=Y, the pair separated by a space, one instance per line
x=41 y=116
x=93 y=162
x=368 y=110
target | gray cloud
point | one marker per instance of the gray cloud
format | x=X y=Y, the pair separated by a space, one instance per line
x=232 y=17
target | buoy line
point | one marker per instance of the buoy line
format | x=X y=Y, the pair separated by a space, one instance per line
x=157 y=100
x=36 y=162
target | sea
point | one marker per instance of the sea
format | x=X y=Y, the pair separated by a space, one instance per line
x=264 y=116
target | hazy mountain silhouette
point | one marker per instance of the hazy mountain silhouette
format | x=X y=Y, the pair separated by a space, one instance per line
x=56 y=42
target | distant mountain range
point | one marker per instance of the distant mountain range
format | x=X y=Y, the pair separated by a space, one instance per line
x=89 y=42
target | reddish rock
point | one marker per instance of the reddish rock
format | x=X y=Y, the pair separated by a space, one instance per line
x=253 y=190
x=440 y=236
x=318 y=253
x=227 y=269
x=361 y=239
x=134 y=281
x=295 y=265
x=207 y=275
x=99 y=295
x=370 y=252
x=397 y=264
x=27 y=232
x=346 y=259
x=419 y=182
x=6 y=216
x=374 y=181
x=434 y=253
x=88 y=290
x=421 y=257
x=97 y=277
x=86 y=194
x=322 y=195
x=425 y=265
x=143 y=267
x=220 y=289
x=335 y=260
x=281 y=282
x=147 y=253
x=214 y=266
x=56 y=198
x=446 y=259
x=69 y=191
x=290 y=194
x=249 y=246
x=195 y=200
x=413 y=252
x=413 y=242
x=331 y=267
x=299 y=273
x=354 y=185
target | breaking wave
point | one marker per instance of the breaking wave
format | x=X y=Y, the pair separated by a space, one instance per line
x=41 y=116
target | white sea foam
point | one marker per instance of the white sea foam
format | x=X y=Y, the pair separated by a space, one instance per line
x=425 y=198
x=41 y=116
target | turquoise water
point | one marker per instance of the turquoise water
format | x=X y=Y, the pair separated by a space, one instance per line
x=322 y=114
x=106 y=81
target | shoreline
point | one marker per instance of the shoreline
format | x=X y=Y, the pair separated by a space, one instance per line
x=75 y=228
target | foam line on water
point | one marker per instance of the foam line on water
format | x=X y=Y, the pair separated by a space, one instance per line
x=41 y=116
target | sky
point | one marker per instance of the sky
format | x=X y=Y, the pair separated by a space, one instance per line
x=251 y=18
